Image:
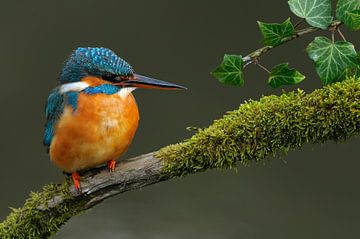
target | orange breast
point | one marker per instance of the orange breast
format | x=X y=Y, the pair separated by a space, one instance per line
x=101 y=129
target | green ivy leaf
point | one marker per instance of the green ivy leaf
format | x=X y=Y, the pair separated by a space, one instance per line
x=316 y=12
x=347 y=11
x=230 y=71
x=353 y=70
x=354 y=20
x=331 y=58
x=349 y=72
x=273 y=33
x=283 y=75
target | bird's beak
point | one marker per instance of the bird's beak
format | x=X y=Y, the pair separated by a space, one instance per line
x=140 y=81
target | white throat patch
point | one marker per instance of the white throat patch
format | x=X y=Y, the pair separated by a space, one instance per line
x=74 y=86
x=124 y=92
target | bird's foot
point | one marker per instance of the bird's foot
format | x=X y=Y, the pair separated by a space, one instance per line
x=111 y=165
x=76 y=180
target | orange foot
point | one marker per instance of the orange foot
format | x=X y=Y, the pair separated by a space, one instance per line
x=111 y=165
x=76 y=180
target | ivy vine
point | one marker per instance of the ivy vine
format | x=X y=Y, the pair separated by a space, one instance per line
x=334 y=60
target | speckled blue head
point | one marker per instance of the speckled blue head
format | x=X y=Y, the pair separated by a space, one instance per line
x=93 y=61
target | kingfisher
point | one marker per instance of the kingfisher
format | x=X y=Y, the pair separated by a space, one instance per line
x=92 y=115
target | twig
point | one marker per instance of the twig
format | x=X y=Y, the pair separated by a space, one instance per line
x=256 y=62
x=257 y=53
x=341 y=34
x=299 y=23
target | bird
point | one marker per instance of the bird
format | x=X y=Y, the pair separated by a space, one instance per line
x=92 y=115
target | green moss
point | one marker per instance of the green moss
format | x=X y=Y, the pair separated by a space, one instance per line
x=268 y=126
x=30 y=222
x=257 y=129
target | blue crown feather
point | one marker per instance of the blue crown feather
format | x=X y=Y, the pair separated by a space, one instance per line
x=95 y=61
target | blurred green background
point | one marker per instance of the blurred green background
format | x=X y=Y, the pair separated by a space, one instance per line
x=310 y=193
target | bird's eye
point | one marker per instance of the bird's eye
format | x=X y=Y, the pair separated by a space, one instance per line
x=111 y=78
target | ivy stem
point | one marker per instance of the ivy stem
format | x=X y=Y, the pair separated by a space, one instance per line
x=256 y=62
x=257 y=53
x=341 y=34
x=248 y=63
x=299 y=23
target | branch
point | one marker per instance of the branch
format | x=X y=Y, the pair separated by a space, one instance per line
x=255 y=130
x=257 y=53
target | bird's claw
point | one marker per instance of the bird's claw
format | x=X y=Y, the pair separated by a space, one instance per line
x=76 y=180
x=111 y=165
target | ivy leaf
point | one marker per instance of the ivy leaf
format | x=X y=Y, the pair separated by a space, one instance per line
x=347 y=11
x=331 y=58
x=354 y=20
x=316 y=12
x=230 y=71
x=349 y=72
x=283 y=75
x=353 y=70
x=273 y=33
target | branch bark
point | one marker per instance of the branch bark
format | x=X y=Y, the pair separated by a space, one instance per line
x=99 y=184
x=130 y=174
x=252 y=132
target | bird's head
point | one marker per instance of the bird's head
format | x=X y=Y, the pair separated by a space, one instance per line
x=93 y=66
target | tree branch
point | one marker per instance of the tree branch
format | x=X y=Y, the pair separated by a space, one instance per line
x=257 y=53
x=255 y=130
x=131 y=174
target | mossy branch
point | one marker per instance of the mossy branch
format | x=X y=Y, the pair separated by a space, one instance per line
x=255 y=130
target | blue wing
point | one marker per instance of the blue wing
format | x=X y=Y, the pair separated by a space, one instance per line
x=53 y=110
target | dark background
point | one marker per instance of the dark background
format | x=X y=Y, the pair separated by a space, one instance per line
x=310 y=193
